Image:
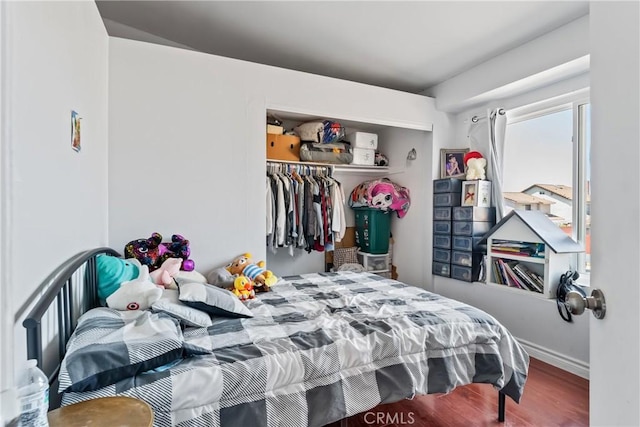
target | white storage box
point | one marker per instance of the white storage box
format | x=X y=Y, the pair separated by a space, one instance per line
x=374 y=263
x=363 y=140
x=476 y=193
x=363 y=156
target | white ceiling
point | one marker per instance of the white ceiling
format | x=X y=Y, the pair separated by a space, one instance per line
x=403 y=45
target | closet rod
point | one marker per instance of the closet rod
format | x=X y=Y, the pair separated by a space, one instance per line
x=312 y=165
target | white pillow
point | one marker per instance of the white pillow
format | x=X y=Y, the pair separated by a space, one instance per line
x=190 y=276
x=213 y=300
x=170 y=304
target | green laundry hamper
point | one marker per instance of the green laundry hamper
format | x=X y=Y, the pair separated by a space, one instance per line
x=373 y=230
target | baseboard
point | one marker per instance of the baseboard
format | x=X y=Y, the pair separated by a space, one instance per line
x=561 y=361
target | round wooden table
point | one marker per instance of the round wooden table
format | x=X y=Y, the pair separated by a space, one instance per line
x=103 y=412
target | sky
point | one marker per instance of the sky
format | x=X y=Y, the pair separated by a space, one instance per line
x=539 y=151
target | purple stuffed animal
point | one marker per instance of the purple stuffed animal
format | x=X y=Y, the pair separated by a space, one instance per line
x=152 y=252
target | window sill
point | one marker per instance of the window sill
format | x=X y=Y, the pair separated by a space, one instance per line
x=584 y=281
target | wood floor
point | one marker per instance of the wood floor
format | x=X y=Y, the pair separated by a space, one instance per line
x=552 y=397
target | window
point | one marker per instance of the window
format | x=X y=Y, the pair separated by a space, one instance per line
x=547 y=167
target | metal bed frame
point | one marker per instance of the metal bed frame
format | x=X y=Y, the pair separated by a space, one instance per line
x=59 y=288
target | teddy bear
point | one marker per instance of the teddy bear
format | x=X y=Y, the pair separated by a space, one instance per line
x=243 y=288
x=263 y=279
x=476 y=165
x=152 y=252
x=137 y=294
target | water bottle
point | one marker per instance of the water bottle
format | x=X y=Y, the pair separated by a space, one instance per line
x=33 y=392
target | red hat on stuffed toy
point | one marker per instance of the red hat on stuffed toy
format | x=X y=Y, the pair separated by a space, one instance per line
x=471 y=155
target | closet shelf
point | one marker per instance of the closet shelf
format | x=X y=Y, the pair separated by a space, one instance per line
x=355 y=169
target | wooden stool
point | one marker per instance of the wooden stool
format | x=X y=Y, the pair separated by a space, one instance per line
x=103 y=412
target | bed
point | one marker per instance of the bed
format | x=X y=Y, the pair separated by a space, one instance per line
x=319 y=348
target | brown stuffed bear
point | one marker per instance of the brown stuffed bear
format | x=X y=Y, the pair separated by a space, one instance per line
x=263 y=279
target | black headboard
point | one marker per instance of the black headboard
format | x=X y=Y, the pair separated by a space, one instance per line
x=60 y=288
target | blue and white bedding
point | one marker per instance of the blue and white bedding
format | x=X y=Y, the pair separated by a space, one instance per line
x=322 y=347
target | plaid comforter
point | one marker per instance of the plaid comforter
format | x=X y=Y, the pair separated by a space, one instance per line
x=323 y=347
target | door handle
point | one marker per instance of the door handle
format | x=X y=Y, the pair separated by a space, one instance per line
x=576 y=303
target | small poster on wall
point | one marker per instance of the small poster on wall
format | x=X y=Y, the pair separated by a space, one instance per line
x=75 y=131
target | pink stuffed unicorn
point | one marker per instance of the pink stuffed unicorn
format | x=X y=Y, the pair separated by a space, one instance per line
x=165 y=274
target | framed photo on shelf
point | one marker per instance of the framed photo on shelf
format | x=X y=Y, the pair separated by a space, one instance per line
x=451 y=162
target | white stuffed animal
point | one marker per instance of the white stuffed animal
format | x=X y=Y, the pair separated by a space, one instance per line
x=475 y=168
x=136 y=294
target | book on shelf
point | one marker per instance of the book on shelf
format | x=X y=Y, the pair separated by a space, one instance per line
x=526 y=277
x=513 y=247
x=516 y=275
x=513 y=278
x=496 y=273
x=507 y=279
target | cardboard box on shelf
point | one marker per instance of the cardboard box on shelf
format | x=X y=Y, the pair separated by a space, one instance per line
x=283 y=147
x=276 y=130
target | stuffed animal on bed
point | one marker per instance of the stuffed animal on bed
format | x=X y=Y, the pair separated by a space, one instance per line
x=262 y=279
x=138 y=294
x=243 y=288
x=164 y=275
x=152 y=252
x=112 y=271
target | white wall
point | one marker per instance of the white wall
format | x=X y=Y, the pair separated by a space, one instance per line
x=55 y=56
x=187 y=142
x=558 y=55
x=533 y=320
x=615 y=209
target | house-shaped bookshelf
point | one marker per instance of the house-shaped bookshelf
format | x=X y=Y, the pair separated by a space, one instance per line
x=527 y=252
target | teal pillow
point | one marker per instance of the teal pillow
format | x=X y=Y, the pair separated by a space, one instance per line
x=112 y=272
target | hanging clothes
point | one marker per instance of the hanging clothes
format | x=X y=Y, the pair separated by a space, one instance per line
x=305 y=208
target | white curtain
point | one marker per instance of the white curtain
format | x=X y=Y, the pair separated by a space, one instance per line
x=486 y=135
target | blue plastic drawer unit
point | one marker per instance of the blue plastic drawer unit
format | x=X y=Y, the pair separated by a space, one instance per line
x=441 y=255
x=442 y=214
x=441 y=241
x=442 y=227
x=446 y=199
x=462 y=258
x=473 y=213
x=467 y=274
x=463 y=243
x=447 y=185
x=471 y=228
x=466 y=259
x=442 y=269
